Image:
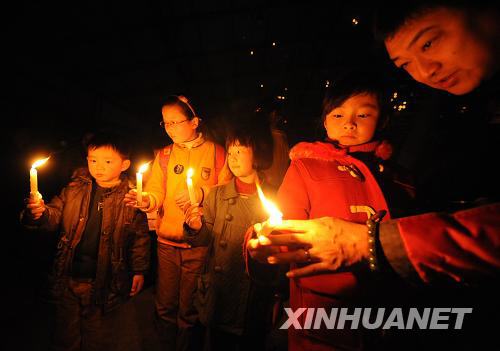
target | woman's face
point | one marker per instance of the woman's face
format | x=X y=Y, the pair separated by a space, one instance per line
x=178 y=127
x=240 y=160
x=353 y=122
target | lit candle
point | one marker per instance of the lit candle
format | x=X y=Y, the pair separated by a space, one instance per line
x=34 y=194
x=138 y=178
x=275 y=215
x=189 y=181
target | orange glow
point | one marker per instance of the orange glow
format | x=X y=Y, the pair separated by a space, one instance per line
x=40 y=162
x=275 y=215
x=144 y=167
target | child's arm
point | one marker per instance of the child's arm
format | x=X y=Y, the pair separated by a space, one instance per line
x=155 y=189
x=47 y=217
x=203 y=235
x=140 y=249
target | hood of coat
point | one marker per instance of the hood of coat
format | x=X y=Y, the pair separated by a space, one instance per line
x=327 y=151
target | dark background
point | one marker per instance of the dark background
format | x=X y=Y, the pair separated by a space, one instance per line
x=70 y=68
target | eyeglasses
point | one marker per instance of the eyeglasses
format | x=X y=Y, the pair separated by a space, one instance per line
x=171 y=124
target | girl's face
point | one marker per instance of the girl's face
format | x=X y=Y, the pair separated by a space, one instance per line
x=178 y=127
x=355 y=121
x=240 y=160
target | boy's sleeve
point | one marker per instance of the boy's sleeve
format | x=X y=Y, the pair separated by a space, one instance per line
x=205 y=235
x=156 y=186
x=140 y=252
x=51 y=218
x=463 y=246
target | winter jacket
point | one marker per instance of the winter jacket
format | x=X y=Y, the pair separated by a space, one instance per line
x=325 y=180
x=162 y=187
x=228 y=299
x=124 y=246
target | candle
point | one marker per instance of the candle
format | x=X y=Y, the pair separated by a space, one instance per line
x=189 y=181
x=34 y=194
x=275 y=215
x=138 y=178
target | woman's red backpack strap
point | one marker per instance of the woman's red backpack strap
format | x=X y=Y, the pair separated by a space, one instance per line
x=163 y=160
x=220 y=158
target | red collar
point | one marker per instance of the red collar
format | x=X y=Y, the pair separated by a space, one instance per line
x=245 y=188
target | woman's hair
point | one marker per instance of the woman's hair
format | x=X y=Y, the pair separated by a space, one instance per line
x=183 y=103
x=356 y=83
x=252 y=130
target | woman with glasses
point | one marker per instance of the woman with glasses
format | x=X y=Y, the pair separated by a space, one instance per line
x=179 y=264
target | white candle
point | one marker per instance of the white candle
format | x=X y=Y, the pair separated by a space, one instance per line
x=189 y=181
x=139 y=188
x=138 y=178
x=33 y=183
x=34 y=194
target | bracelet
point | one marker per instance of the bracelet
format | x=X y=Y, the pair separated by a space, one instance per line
x=372 y=224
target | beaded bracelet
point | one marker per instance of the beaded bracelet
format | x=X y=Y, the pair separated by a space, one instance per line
x=372 y=224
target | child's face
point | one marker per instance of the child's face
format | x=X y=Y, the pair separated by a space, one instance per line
x=106 y=164
x=178 y=127
x=439 y=50
x=354 y=122
x=240 y=160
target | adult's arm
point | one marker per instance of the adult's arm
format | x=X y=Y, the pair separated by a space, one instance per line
x=463 y=246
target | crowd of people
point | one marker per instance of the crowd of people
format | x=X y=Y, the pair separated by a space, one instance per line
x=358 y=229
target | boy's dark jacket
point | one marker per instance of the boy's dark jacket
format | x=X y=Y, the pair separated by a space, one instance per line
x=124 y=247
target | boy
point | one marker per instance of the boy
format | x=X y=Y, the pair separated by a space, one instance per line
x=102 y=245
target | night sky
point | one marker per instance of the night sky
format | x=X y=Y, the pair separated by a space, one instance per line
x=75 y=67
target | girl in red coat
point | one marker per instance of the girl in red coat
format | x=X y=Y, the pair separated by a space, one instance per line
x=347 y=176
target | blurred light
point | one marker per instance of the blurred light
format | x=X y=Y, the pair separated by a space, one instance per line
x=395 y=95
x=262 y=85
x=251 y=52
x=286 y=89
x=274 y=43
x=327 y=84
x=355 y=21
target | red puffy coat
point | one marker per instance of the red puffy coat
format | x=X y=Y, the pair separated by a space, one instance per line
x=324 y=180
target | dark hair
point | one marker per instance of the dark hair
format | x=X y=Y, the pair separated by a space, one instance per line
x=391 y=16
x=355 y=83
x=253 y=131
x=115 y=140
x=183 y=103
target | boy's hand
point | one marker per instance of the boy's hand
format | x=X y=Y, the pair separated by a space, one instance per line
x=130 y=199
x=137 y=284
x=35 y=208
x=192 y=215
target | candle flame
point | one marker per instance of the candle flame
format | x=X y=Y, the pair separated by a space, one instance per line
x=40 y=162
x=144 y=167
x=275 y=215
x=190 y=173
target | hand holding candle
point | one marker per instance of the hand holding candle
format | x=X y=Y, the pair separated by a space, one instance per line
x=34 y=194
x=189 y=181
x=143 y=168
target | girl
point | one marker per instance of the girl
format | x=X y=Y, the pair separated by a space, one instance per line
x=235 y=309
x=348 y=177
x=179 y=264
